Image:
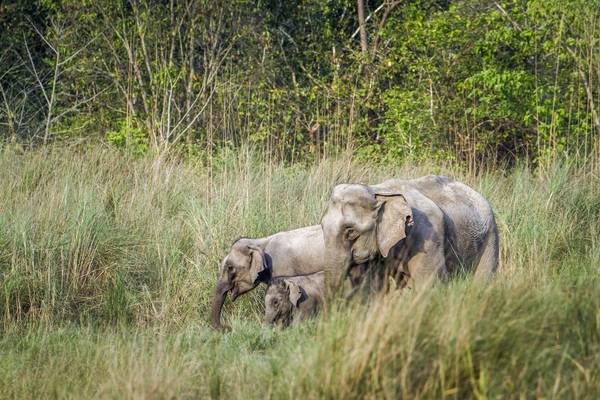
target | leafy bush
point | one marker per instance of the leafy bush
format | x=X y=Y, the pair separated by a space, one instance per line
x=129 y=137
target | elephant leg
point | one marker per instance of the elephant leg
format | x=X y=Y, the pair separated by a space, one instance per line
x=426 y=267
x=395 y=275
x=488 y=259
x=402 y=280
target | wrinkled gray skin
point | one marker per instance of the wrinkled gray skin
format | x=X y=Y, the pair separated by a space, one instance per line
x=413 y=230
x=294 y=298
x=252 y=261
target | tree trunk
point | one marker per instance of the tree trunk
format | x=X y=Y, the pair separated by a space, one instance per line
x=364 y=46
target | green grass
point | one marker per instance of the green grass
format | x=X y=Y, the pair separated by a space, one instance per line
x=107 y=266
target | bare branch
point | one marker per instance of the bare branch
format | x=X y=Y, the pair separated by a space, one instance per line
x=369 y=17
x=512 y=21
x=41 y=35
x=389 y=9
x=34 y=70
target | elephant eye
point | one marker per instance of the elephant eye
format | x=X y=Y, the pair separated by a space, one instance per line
x=230 y=268
x=351 y=234
x=275 y=302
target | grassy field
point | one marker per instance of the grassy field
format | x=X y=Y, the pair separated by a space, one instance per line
x=107 y=266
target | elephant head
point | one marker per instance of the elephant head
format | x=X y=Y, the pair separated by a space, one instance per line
x=360 y=224
x=281 y=299
x=241 y=270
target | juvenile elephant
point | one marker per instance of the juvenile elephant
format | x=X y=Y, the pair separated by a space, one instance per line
x=294 y=298
x=252 y=261
x=417 y=229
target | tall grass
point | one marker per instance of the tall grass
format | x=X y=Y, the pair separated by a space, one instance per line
x=107 y=265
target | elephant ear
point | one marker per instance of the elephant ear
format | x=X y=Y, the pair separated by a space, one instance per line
x=257 y=262
x=394 y=216
x=294 y=293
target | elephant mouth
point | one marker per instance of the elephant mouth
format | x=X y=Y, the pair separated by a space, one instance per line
x=237 y=291
x=358 y=261
x=285 y=321
x=281 y=319
x=363 y=259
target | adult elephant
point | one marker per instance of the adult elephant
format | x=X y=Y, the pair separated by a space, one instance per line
x=254 y=261
x=417 y=229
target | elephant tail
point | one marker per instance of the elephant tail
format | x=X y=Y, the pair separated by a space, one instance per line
x=488 y=256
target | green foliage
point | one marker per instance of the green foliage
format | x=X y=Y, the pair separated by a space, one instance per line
x=467 y=80
x=499 y=94
x=499 y=77
x=407 y=131
x=129 y=137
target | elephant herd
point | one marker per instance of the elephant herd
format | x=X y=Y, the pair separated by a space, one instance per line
x=406 y=231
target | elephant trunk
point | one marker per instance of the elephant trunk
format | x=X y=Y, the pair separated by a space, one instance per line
x=337 y=264
x=223 y=287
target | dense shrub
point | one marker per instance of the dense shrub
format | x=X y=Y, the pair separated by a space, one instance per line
x=469 y=80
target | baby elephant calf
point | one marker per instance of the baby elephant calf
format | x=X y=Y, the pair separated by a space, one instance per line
x=294 y=298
